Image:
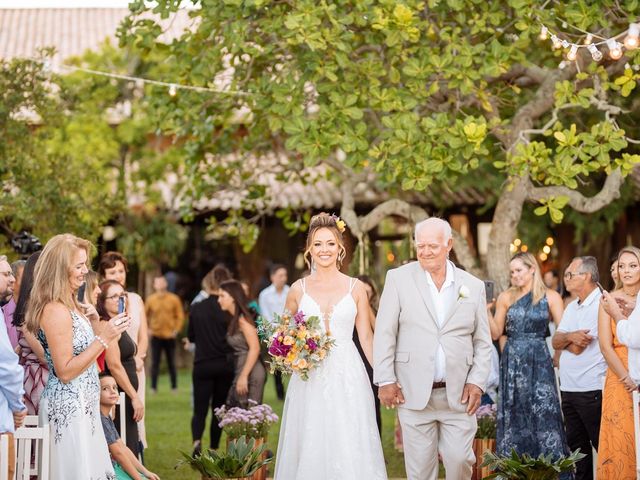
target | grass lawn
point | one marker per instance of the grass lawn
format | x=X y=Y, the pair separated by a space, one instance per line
x=168 y=420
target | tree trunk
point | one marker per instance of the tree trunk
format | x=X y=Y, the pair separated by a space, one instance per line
x=504 y=228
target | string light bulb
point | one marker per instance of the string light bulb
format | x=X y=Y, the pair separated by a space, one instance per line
x=631 y=41
x=615 y=49
x=173 y=90
x=556 y=42
x=595 y=53
x=588 y=39
x=544 y=33
x=573 y=53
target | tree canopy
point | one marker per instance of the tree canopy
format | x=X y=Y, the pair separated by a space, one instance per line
x=408 y=93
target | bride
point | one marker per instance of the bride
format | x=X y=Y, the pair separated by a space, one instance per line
x=329 y=428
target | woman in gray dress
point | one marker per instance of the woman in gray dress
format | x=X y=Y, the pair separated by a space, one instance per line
x=242 y=336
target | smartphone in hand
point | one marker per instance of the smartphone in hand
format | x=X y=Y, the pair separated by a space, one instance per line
x=81 y=291
x=121 y=304
x=600 y=287
x=489 y=286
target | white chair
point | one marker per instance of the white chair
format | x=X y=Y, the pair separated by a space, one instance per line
x=25 y=438
x=123 y=421
x=636 y=423
x=4 y=457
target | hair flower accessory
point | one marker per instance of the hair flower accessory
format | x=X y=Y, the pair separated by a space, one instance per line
x=339 y=223
x=463 y=292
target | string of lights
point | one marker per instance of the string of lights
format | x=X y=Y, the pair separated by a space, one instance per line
x=172 y=88
x=615 y=48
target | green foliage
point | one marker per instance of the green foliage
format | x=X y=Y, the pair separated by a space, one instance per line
x=151 y=237
x=413 y=94
x=524 y=467
x=242 y=459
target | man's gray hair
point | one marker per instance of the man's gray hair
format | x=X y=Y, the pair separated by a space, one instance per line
x=590 y=266
x=3 y=258
x=434 y=222
x=17 y=265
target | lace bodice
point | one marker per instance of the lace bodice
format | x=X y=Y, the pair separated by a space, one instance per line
x=341 y=318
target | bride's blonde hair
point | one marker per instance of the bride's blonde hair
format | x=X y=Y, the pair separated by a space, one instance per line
x=51 y=277
x=330 y=222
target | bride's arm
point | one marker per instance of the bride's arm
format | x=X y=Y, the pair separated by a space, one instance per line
x=363 y=321
x=293 y=298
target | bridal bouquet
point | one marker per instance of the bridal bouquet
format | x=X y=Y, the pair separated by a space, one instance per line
x=296 y=344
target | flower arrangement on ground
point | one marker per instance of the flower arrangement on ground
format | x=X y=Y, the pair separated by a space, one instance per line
x=252 y=422
x=486 y=416
x=242 y=459
x=296 y=343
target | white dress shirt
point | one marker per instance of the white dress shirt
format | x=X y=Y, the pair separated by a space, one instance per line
x=584 y=372
x=628 y=332
x=272 y=302
x=443 y=300
x=11 y=378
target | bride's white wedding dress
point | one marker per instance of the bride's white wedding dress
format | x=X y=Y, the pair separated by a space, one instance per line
x=329 y=429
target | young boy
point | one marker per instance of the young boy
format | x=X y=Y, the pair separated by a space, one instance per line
x=125 y=463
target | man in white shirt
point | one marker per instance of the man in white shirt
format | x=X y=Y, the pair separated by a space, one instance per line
x=12 y=409
x=627 y=331
x=271 y=301
x=582 y=366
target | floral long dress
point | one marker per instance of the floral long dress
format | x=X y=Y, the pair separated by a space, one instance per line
x=78 y=445
x=529 y=416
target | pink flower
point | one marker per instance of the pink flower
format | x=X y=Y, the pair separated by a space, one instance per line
x=278 y=349
x=299 y=317
x=311 y=343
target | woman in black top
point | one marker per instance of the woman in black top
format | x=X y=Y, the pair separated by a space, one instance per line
x=213 y=366
x=121 y=364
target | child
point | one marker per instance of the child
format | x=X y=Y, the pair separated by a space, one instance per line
x=125 y=463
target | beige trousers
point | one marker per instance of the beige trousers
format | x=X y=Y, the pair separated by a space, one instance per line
x=435 y=429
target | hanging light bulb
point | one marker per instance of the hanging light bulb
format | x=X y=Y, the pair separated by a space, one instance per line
x=615 y=49
x=556 y=42
x=565 y=44
x=173 y=90
x=595 y=53
x=544 y=33
x=588 y=39
x=631 y=41
x=573 y=53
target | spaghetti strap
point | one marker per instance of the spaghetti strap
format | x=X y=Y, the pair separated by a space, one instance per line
x=352 y=283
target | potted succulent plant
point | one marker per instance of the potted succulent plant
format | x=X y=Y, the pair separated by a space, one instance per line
x=525 y=467
x=242 y=459
x=485 y=439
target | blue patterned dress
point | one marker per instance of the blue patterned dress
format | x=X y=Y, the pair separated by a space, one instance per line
x=78 y=445
x=529 y=417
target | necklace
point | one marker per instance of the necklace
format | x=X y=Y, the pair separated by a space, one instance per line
x=632 y=295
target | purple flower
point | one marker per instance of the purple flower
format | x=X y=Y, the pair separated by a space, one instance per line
x=299 y=317
x=278 y=349
x=311 y=343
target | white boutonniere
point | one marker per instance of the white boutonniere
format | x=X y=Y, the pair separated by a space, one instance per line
x=464 y=292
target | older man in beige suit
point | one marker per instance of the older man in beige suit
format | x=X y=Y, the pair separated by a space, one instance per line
x=432 y=355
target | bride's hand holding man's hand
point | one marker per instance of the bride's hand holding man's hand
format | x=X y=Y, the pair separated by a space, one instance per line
x=391 y=395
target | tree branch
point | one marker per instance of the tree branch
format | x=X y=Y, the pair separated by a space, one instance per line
x=610 y=191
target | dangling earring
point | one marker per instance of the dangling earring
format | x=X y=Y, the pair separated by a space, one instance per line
x=313 y=265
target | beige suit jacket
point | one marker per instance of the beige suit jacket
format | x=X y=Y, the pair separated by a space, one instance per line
x=407 y=335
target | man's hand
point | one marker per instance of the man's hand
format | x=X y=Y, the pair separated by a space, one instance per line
x=581 y=338
x=18 y=418
x=471 y=395
x=391 y=395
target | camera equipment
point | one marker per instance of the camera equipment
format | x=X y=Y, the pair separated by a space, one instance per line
x=25 y=244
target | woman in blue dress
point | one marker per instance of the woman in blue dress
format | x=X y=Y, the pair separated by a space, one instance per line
x=529 y=415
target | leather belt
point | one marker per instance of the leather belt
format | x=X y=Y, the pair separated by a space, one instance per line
x=439 y=384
